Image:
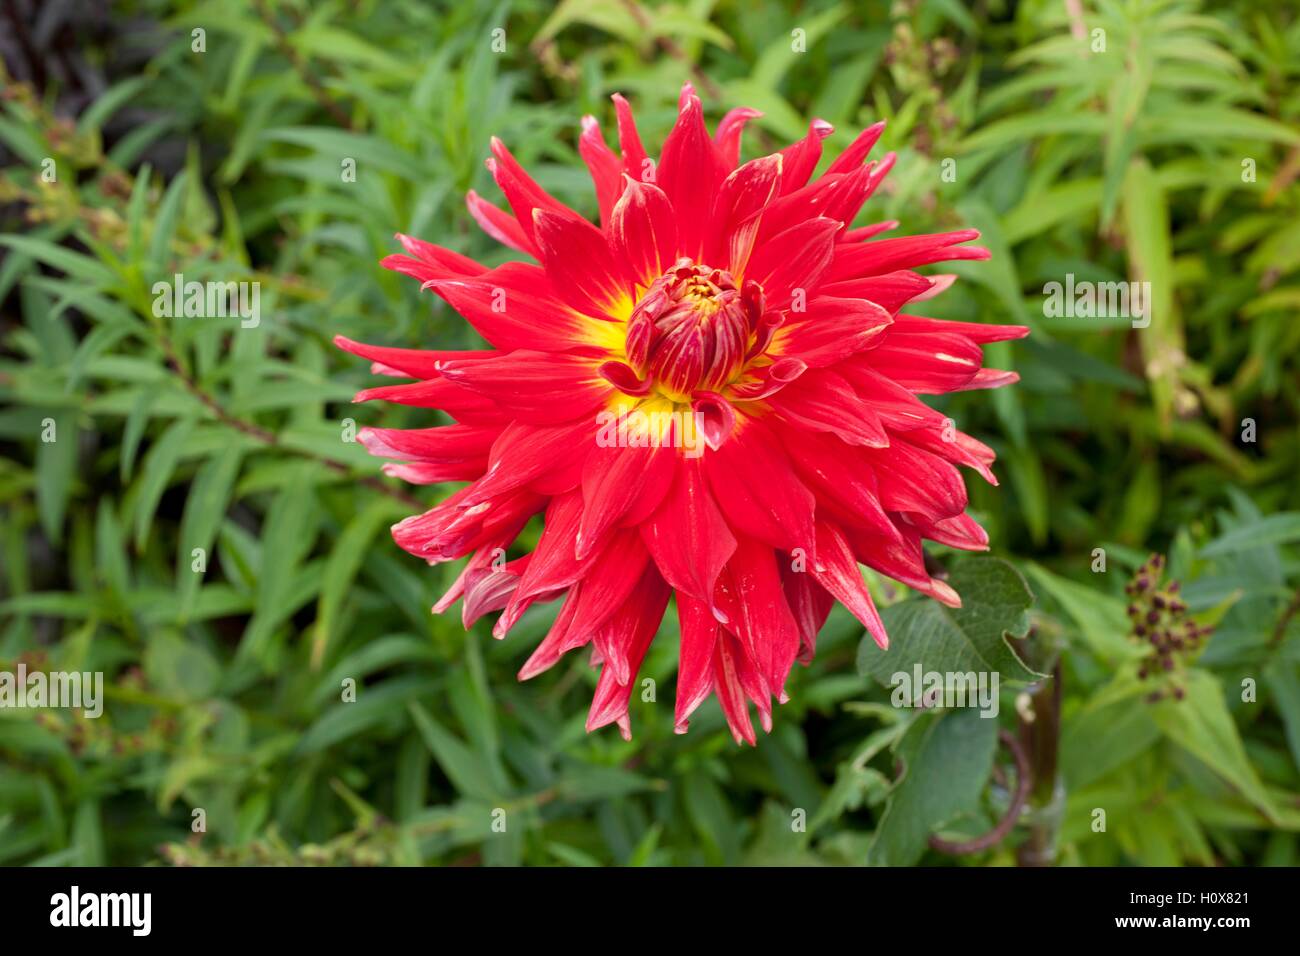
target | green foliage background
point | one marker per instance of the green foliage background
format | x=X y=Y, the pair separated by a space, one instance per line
x=223 y=687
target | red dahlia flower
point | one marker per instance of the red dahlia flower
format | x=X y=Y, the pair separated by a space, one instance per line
x=710 y=397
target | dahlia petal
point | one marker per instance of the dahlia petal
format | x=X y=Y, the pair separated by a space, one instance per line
x=629 y=142
x=853 y=261
x=917 y=481
x=566 y=475
x=794 y=260
x=687 y=535
x=540 y=388
x=978 y=332
x=514 y=307
x=523 y=453
x=731 y=695
x=630 y=632
x=737 y=212
x=831 y=330
x=447 y=531
x=523 y=193
x=462 y=404
x=699 y=635
x=863 y=233
x=902 y=559
x=604 y=164
x=420 y=269
x=433 y=472
x=690 y=171
x=500 y=225
x=580 y=266
x=857 y=151
x=839 y=197
x=796 y=207
x=716 y=416
x=643 y=231
x=825 y=402
x=727 y=135
x=756 y=487
x=558 y=641
x=481 y=558
x=614 y=479
x=960 y=531
x=751 y=595
x=927 y=364
x=838 y=572
x=554 y=564
x=943 y=439
x=898 y=408
x=489 y=589
x=851 y=192
x=606 y=589
x=834 y=472
x=413 y=363
x=799 y=161
x=890 y=291
x=441 y=444
x=899 y=556
x=810 y=603
x=763 y=382
x=440 y=256
x=624 y=378
x=990 y=378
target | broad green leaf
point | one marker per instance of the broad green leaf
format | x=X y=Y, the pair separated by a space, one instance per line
x=1100 y=618
x=205 y=507
x=466 y=770
x=975 y=637
x=56 y=466
x=159 y=464
x=383 y=704
x=75 y=264
x=1280 y=528
x=180 y=667
x=946 y=760
x=1202 y=724
x=288 y=534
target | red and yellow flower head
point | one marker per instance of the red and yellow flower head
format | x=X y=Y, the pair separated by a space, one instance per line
x=711 y=397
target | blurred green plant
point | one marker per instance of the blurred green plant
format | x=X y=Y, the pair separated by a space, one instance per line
x=1170 y=153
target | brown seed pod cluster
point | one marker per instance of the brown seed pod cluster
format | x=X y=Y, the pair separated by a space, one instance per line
x=1159 y=619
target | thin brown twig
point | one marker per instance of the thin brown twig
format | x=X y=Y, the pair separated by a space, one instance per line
x=1284 y=621
x=300 y=67
x=1009 y=820
x=269 y=438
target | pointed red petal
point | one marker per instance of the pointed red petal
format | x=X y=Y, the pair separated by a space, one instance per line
x=604 y=164
x=727 y=135
x=830 y=330
x=690 y=171
x=614 y=480
x=499 y=224
x=838 y=572
x=580 y=266
x=687 y=536
x=541 y=388
x=794 y=260
x=643 y=232
x=753 y=482
x=627 y=637
x=699 y=635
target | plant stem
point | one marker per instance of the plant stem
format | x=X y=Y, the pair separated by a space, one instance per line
x=1040 y=734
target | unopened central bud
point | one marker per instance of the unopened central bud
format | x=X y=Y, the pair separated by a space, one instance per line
x=692 y=329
